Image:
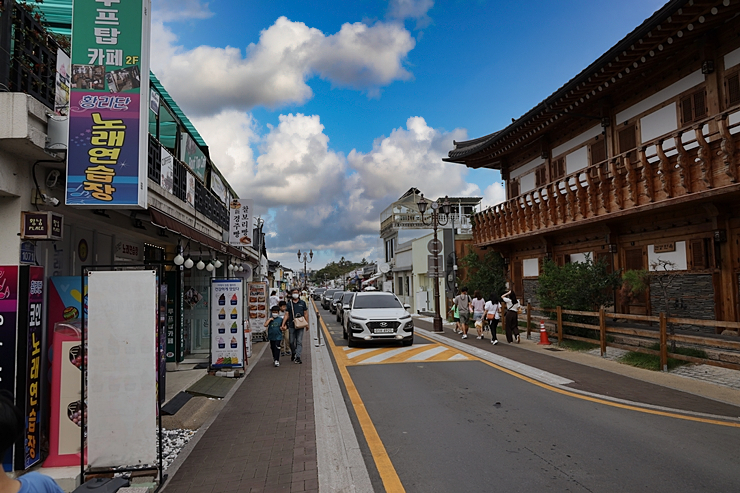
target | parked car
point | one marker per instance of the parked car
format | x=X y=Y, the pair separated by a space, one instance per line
x=317 y=293
x=378 y=316
x=343 y=306
x=326 y=298
x=336 y=297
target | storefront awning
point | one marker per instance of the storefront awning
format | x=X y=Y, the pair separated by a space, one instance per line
x=170 y=223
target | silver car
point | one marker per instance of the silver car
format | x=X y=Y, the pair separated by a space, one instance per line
x=378 y=316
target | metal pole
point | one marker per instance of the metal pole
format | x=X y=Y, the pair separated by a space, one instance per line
x=437 y=316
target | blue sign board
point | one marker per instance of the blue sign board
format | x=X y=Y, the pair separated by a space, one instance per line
x=28 y=253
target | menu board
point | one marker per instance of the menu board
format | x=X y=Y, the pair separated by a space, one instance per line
x=227 y=323
x=257 y=306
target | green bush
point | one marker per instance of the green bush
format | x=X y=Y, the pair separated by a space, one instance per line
x=483 y=274
x=652 y=362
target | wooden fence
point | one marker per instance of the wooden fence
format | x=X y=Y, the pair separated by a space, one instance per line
x=660 y=336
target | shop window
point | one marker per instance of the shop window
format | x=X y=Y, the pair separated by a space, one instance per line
x=597 y=150
x=154 y=168
x=693 y=107
x=558 y=168
x=399 y=284
x=628 y=140
x=699 y=254
x=732 y=89
x=540 y=176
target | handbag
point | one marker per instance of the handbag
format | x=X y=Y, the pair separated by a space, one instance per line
x=298 y=322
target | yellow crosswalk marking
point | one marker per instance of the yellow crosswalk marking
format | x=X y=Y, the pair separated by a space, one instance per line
x=411 y=354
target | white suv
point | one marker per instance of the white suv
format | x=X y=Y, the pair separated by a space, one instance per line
x=378 y=316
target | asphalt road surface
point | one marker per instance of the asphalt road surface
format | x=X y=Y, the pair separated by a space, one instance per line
x=434 y=419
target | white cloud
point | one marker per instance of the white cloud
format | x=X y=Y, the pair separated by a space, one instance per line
x=179 y=10
x=411 y=9
x=274 y=71
x=493 y=194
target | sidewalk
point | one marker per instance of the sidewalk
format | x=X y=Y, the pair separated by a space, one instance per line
x=263 y=440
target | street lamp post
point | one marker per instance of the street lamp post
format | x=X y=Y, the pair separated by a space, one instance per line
x=307 y=259
x=435 y=221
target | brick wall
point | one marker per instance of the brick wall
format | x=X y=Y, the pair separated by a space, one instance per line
x=690 y=296
x=530 y=292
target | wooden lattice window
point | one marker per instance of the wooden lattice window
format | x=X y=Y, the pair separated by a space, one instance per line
x=699 y=254
x=598 y=151
x=540 y=176
x=558 y=168
x=628 y=139
x=513 y=188
x=693 y=107
x=732 y=89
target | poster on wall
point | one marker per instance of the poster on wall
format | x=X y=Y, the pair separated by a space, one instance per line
x=109 y=104
x=190 y=191
x=166 y=177
x=240 y=222
x=61 y=92
x=218 y=187
x=227 y=323
x=258 y=308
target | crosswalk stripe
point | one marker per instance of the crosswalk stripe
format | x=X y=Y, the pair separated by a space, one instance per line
x=458 y=357
x=386 y=355
x=424 y=355
x=354 y=353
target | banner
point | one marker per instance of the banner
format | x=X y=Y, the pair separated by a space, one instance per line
x=227 y=323
x=257 y=306
x=61 y=92
x=240 y=222
x=166 y=176
x=34 y=287
x=218 y=187
x=192 y=156
x=109 y=104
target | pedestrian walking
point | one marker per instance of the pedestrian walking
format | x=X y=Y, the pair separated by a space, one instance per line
x=478 y=304
x=274 y=300
x=463 y=303
x=512 y=316
x=12 y=425
x=492 y=315
x=274 y=333
x=455 y=318
x=297 y=323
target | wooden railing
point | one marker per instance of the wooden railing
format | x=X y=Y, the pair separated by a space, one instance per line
x=662 y=337
x=693 y=160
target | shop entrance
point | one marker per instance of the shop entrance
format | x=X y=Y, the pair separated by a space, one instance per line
x=197 y=328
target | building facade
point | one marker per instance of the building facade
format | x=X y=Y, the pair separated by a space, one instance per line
x=633 y=161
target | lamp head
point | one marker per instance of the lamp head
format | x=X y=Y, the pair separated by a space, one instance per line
x=179 y=259
x=446 y=205
x=422 y=204
x=299 y=255
x=188 y=263
x=310 y=254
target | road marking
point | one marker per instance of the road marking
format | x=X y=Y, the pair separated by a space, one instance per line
x=597 y=400
x=419 y=352
x=424 y=355
x=388 y=474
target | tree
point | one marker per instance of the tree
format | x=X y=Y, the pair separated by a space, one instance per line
x=484 y=274
x=584 y=286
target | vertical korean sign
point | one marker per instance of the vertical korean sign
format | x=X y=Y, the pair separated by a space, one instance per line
x=227 y=323
x=240 y=222
x=34 y=281
x=109 y=101
x=8 y=334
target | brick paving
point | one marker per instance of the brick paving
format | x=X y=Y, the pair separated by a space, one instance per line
x=264 y=440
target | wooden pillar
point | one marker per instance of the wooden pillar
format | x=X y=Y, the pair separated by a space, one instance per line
x=663 y=342
x=529 y=320
x=560 y=324
x=602 y=331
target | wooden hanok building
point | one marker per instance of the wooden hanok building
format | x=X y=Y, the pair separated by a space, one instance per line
x=633 y=160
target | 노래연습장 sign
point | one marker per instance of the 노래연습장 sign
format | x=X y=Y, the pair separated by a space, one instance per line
x=109 y=103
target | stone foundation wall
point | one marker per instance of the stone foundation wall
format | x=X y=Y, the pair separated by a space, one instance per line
x=530 y=292
x=689 y=296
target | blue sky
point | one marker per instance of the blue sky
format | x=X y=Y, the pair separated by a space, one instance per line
x=325 y=113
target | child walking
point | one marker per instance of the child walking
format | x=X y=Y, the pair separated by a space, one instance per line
x=274 y=334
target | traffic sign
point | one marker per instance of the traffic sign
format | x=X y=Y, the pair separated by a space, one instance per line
x=434 y=246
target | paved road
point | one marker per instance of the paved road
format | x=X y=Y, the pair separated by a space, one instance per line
x=435 y=419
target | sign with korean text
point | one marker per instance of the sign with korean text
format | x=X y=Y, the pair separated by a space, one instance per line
x=258 y=308
x=240 y=222
x=41 y=225
x=32 y=438
x=109 y=104
x=227 y=323
x=129 y=250
x=192 y=156
x=434 y=266
x=665 y=247
x=8 y=334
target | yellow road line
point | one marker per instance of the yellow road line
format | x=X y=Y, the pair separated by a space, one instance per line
x=596 y=399
x=388 y=474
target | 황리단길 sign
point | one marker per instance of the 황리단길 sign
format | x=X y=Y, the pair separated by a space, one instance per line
x=109 y=103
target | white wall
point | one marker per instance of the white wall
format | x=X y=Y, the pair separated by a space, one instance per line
x=678 y=257
x=732 y=58
x=530 y=267
x=659 y=123
x=581 y=257
x=669 y=92
x=576 y=160
x=576 y=141
x=527 y=183
x=526 y=167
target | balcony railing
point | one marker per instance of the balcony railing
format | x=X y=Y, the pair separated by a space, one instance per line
x=413 y=221
x=695 y=160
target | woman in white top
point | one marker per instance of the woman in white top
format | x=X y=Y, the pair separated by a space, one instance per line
x=492 y=315
x=479 y=305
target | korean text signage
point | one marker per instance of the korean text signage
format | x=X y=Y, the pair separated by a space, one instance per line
x=8 y=316
x=227 y=323
x=32 y=439
x=109 y=101
x=258 y=306
x=240 y=222
x=41 y=225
